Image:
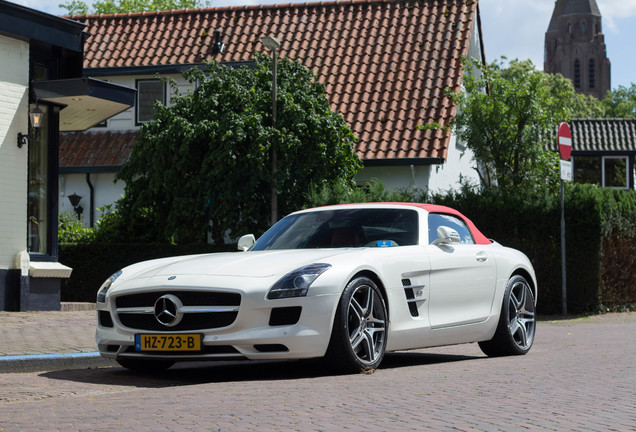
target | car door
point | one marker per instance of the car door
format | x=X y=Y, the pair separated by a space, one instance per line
x=462 y=276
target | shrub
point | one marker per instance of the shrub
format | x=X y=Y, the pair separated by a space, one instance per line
x=72 y=230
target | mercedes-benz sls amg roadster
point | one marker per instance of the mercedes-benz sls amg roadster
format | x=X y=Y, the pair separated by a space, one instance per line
x=344 y=283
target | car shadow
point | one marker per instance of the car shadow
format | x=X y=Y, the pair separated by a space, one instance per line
x=193 y=373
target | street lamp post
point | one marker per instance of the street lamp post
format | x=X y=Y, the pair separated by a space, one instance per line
x=273 y=44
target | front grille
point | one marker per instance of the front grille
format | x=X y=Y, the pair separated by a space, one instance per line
x=188 y=298
x=191 y=320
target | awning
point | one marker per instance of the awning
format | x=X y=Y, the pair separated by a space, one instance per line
x=85 y=101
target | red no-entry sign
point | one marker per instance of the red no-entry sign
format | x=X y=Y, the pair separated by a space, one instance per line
x=565 y=141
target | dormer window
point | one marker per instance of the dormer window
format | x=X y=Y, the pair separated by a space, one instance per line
x=148 y=92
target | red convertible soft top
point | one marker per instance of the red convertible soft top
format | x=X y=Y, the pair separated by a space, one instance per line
x=434 y=208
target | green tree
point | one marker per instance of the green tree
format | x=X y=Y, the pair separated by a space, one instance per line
x=621 y=102
x=207 y=156
x=575 y=105
x=507 y=116
x=78 y=7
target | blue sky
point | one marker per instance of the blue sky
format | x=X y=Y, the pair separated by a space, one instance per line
x=511 y=28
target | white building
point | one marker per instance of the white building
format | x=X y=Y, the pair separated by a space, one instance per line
x=40 y=74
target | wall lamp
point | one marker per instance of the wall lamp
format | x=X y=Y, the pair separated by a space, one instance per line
x=35 y=116
x=75 y=200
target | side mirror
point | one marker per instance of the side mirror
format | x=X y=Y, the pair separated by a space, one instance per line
x=246 y=242
x=446 y=235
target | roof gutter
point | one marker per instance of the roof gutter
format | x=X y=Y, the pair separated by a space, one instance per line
x=74 y=169
x=402 y=162
x=158 y=69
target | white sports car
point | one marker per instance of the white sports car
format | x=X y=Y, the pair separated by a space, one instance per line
x=346 y=282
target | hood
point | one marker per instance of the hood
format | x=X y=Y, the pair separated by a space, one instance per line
x=242 y=264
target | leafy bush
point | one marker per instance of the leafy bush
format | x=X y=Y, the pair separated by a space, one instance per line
x=600 y=239
x=72 y=230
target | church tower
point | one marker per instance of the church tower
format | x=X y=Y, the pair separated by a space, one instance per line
x=575 y=47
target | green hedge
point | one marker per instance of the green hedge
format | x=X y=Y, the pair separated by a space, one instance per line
x=600 y=244
x=600 y=240
x=93 y=263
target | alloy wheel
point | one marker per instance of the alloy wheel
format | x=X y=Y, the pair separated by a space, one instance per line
x=366 y=322
x=522 y=321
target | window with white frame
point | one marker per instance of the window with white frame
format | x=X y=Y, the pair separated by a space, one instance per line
x=149 y=91
x=606 y=171
x=615 y=172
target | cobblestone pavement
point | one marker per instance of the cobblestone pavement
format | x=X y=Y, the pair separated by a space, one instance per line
x=579 y=376
x=28 y=333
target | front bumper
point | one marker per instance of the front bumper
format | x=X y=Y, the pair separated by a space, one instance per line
x=293 y=328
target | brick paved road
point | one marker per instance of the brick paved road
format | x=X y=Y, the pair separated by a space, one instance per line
x=580 y=375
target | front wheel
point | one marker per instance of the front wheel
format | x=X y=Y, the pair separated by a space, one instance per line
x=358 y=339
x=517 y=322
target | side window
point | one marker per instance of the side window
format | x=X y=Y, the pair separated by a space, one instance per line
x=148 y=92
x=436 y=220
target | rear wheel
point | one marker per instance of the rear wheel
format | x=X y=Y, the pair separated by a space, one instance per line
x=517 y=322
x=144 y=365
x=358 y=339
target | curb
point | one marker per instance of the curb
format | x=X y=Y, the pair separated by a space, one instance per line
x=54 y=362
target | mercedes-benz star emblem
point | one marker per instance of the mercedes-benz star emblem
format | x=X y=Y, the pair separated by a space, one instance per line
x=168 y=310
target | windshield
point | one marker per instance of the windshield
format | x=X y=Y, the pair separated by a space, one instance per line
x=342 y=228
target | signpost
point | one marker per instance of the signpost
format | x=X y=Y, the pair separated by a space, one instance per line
x=565 y=150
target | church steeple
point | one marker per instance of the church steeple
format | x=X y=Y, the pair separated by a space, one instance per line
x=575 y=46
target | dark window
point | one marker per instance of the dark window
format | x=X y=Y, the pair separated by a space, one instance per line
x=583 y=28
x=587 y=169
x=607 y=171
x=615 y=172
x=149 y=92
x=591 y=73
x=436 y=220
x=38 y=188
x=577 y=74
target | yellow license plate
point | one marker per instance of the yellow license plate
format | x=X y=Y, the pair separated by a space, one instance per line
x=174 y=342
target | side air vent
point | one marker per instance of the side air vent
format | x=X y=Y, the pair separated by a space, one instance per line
x=413 y=296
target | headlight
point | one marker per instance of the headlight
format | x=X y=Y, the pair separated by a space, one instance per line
x=296 y=283
x=101 y=294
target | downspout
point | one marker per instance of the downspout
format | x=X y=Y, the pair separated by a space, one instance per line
x=413 y=182
x=92 y=200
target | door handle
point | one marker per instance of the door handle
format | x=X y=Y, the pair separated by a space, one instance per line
x=481 y=256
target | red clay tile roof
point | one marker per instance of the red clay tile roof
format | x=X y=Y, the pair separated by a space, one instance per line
x=385 y=63
x=96 y=149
